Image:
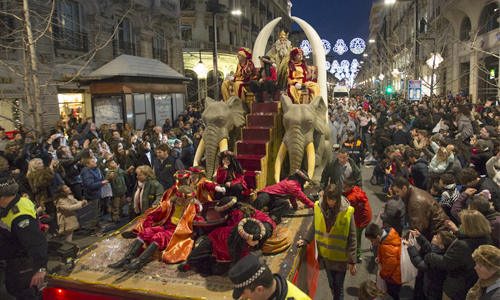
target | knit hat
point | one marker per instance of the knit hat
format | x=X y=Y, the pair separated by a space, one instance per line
x=487 y=256
x=7 y=185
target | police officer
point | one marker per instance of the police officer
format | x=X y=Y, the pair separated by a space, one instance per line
x=253 y=280
x=22 y=244
x=355 y=146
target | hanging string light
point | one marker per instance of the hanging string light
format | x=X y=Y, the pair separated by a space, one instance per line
x=306 y=47
x=357 y=46
x=340 y=47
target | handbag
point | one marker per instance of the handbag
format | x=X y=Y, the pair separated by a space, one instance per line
x=381 y=285
x=408 y=271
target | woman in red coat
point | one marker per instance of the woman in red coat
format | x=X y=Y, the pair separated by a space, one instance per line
x=225 y=246
x=230 y=176
x=362 y=210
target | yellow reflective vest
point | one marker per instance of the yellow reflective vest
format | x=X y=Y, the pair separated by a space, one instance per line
x=294 y=293
x=333 y=244
x=23 y=207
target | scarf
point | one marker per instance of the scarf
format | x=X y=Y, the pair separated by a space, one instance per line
x=330 y=215
x=437 y=250
x=138 y=196
x=477 y=291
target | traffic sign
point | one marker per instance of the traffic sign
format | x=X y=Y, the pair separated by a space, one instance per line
x=414 y=90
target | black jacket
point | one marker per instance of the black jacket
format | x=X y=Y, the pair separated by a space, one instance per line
x=142 y=160
x=420 y=173
x=433 y=278
x=459 y=265
x=81 y=136
x=486 y=183
x=187 y=156
x=164 y=171
x=401 y=138
x=480 y=160
x=72 y=171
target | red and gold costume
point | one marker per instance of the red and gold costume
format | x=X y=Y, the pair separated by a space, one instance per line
x=244 y=73
x=173 y=233
x=203 y=188
x=297 y=73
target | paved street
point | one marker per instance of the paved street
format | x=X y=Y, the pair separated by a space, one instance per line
x=366 y=269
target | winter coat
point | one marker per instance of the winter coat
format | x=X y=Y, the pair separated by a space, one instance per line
x=420 y=173
x=458 y=264
x=142 y=160
x=92 y=183
x=362 y=210
x=81 y=136
x=394 y=214
x=335 y=131
x=401 y=138
x=389 y=256
x=118 y=185
x=480 y=160
x=288 y=188
x=187 y=156
x=67 y=219
x=465 y=128
x=325 y=263
x=151 y=195
x=433 y=277
x=487 y=184
x=331 y=174
x=439 y=166
x=425 y=213
x=221 y=178
x=39 y=182
x=492 y=169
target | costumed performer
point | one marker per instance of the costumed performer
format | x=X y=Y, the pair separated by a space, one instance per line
x=275 y=196
x=203 y=187
x=297 y=77
x=265 y=81
x=230 y=176
x=280 y=55
x=225 y=246
x=244 y=73
x=172 y=234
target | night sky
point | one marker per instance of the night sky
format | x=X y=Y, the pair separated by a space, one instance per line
x=334 y=19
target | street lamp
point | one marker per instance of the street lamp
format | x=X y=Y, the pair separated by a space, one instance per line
x=215 y=11
x=395 y=72
x=371 y=41
x=365 y=55
x=381 y=77
x=435 y=60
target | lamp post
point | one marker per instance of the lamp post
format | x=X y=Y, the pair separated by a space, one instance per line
x=416 y=30
x=202 y=71
x=215 y=11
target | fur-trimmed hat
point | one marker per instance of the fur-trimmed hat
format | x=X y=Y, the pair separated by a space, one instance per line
x=487 y=256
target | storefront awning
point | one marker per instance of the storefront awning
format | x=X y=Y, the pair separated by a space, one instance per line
x=134 y=66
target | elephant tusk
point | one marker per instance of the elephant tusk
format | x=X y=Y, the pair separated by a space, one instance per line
x=223 y=145
x=318 y=55
x=199 y=153
x=259 y=48
x=311 y=161
x=279 y=161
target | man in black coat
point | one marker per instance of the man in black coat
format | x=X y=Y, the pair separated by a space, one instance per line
x=400 y=137
x=469 y=178
x=419 y=170
x=165 y=166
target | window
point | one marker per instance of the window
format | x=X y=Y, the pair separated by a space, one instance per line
x=68 y=33
x=186 y=32
x=465 y=28
x=489 y=18
x=6 y=24
x=124 y=42
x=160 y=47
x=231 y=38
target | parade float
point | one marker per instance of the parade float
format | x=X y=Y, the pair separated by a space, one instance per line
x=269 y=140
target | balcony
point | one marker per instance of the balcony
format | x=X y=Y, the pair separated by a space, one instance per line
x=161 y=55
x=69 y=39
x=123 y=47
x=255 y=28
x=245 y=22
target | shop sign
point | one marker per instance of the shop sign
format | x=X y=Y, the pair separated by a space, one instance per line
x=6 y=80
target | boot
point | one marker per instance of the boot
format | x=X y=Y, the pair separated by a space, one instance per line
x=131 y=253
x=270 y=97
x=258 y=98
x=265 y=97
x=137 y=264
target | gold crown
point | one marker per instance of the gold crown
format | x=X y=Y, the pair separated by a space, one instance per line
x=283 y=34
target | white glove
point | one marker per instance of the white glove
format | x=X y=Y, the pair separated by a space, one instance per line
x=220 y=189
x=274 y=65
x=230 y=78
x=298 y=86
x=224 y=190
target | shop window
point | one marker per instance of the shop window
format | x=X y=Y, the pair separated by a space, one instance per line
x=71 y=104
x=124 y=41
x=465 y=28
x=489 y=18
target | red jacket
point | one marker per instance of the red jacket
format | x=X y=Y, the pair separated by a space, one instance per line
x=362 y=210
x=221 y=178
x=289 y=188
x=389 y=256
x=220 y=235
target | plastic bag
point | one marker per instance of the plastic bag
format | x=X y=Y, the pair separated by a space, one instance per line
x=106 y=191
x=381 y=285
x=108 y=251
x=379 y=221
x=413 y=240
x=408 y=271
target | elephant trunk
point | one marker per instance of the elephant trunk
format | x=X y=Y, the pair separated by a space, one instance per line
x=296 y=147
x=214 y=145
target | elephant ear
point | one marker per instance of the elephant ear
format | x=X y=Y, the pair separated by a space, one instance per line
x=286 y=103
x=209 y=101
x=319 y=108
x=237 y=112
